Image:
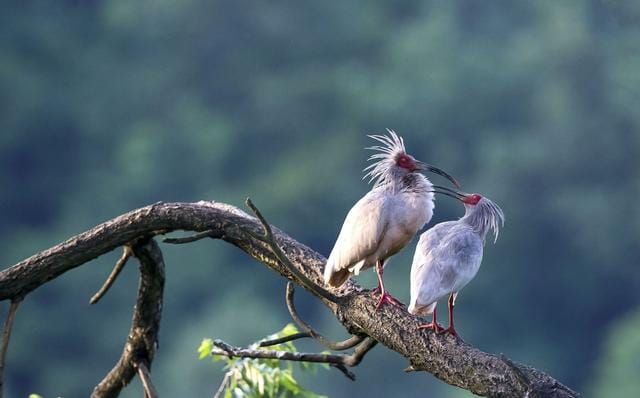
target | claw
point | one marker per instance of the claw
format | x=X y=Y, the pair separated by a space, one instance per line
x=387 y=298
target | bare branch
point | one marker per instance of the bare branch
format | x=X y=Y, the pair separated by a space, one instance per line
x=145 y=376
x=283 y=259
x=122 y=261
x=285 y=339
x=6 y=335
x=142 y=340
x=336 y=346
x=339 y=361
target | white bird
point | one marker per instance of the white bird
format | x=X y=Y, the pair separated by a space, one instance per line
x=449 y=254
x=383 y=221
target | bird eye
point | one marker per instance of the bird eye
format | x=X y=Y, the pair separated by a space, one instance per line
x=405 y=161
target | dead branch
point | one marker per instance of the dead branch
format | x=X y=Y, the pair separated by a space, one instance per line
x=336 y=346
x=6 y=335
x=142 y=340
x=145 y=376
x=122 y=261
x=449 y=359
x=339 y=361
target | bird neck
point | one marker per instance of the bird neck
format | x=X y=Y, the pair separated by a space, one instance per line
x=413 y=183
x=476 y=221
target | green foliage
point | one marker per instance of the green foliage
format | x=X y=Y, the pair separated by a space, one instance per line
x=257 y=378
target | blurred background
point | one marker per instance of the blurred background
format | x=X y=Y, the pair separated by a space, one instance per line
x=106 y=106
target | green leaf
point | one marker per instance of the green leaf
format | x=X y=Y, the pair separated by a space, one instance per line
x=288 y=330
x=205 y=348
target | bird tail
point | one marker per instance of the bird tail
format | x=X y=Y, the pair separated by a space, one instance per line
x=421 y=309
x=334 y=277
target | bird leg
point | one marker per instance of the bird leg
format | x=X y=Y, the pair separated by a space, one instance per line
x=451 y=329
x=433 y=325
x=384 y=296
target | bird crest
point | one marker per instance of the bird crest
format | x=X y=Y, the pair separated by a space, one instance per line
x=385 y=158
x=487 y=216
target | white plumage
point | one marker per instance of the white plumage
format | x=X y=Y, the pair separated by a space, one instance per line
x=386 y=218
x=448 y=256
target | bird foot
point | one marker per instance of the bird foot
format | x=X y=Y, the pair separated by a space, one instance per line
x=387 y=298
x=435 y=326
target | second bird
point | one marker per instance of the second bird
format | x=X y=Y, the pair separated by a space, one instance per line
x=449 y=254
x=381 y=223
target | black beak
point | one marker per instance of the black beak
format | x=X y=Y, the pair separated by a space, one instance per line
x=423 y=166
x=449 y=192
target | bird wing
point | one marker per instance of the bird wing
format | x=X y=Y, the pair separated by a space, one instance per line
x=361 y=233
x=446 y=259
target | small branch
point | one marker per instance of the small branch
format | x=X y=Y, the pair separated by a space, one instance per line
x=338 y=361
x=285 y=339
x=282 y=258
x=336 y=346
x=224 y=383
x=145 y=376
x=192 y=238
x=6 y=335
x=126 y=253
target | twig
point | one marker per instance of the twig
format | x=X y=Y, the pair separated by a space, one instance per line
x=339 y=361
x=126 y=253
x=192 y=238
x=291 y=337
x=336 y=346
x=225 y=380
x=6 y=335
x=269 y=239
x=145 y=376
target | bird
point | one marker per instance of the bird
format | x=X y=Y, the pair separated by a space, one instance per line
x=383 y=221
x=448 y=256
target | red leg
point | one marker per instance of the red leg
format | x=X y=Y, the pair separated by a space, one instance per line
x=451 y=329
x=384 y=296
x=433 y=325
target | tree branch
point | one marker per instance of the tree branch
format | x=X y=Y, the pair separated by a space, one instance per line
x=6 y=335
x=339 y=361
x=142 y=340
x=336 y=346
x=122 y=261
x=449 y=359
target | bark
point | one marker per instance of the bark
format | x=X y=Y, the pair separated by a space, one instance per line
x=446 y=357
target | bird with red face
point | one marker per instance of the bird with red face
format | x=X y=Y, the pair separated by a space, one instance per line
x=382 y=222
x=449 y=254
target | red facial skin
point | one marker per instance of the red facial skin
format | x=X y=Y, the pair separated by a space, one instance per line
x=472 y=199
x=406 y=162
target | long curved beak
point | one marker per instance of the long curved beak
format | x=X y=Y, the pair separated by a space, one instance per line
x=449 y=192
x=427 y=167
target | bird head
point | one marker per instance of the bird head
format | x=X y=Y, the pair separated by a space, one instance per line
x=480 y=211
x=392 y=162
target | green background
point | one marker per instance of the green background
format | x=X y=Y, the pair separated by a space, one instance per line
x=106 y=106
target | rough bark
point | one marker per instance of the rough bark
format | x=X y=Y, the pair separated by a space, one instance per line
x=446 y=357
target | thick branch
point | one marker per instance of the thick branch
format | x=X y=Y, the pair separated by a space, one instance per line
x=142 y=341
x=449 y=359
